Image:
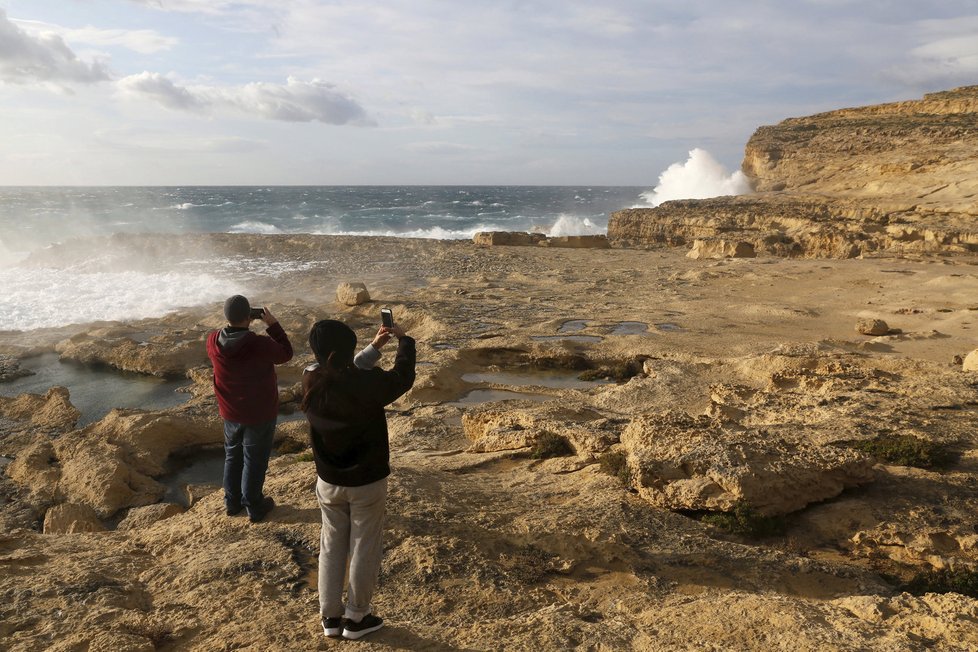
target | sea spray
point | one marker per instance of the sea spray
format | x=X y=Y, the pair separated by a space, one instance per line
x=701 y=176
x=47 y=297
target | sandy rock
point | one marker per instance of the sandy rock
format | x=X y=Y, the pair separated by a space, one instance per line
x=508 y=238
x=681 y=462
x=937 y=548
x=492 y=427
x=96 y=473
x=53 y=409
x=142 y=517
x=68 y=518
x=352 y=294
x=869 y=326
x=168 y=356
x=970 y=362
x=720 y=249
x=34 y=469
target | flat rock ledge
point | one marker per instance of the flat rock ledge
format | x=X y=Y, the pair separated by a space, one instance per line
x=523 y=239
x=692 y=463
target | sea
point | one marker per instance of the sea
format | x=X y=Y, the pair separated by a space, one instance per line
x=33 y=218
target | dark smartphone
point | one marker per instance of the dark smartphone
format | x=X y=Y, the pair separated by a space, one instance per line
x=387 y=317
x=257 y=313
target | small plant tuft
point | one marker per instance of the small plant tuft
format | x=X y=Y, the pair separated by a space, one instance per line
x=302 y=457
x=615 y=464
x=963 y=581
x=906 y=450
x=550 y=445
x=745 y=522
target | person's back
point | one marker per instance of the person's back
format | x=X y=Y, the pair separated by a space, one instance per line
x=246 y=388
x=348 y=427
x=344 y=400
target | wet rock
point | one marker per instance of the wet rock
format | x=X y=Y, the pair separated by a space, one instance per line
x=68 y=518
x=10 y=369
x=681 y=462
x=352 y=294
x=870 y=326
x=142 y=517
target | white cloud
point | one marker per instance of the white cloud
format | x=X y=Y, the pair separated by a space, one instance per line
x=144 y=41
x=295 y=101
x=192 y=6
x=159 y=88
x=42 y=58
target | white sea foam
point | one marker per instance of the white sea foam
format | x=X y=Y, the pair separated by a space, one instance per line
x=701 y=176
x=250 y=226
x=47 y=297
x=572 y=225
x=434 y=233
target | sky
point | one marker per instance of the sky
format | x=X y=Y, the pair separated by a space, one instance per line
x=548 y=92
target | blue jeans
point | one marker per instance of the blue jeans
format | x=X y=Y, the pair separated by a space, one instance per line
x=246 y=452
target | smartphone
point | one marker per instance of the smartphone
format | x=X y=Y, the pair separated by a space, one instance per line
x=387 y=317
x=257 y=313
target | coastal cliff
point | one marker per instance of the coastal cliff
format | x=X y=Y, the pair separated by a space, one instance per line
x=891 y=178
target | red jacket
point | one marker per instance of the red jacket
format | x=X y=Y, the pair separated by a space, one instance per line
x=244 y=372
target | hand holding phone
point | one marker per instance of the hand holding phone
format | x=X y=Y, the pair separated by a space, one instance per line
x=257 y=313
x=387 y=317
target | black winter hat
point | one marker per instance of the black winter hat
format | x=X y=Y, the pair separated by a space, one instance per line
x=237 y=309
x=330 y=336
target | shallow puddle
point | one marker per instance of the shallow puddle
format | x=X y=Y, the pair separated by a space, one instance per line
x=630 y=328
x=444 y=346
x=555 y=379
x=572 y=326
x=204 y=466
x=96 y=390
x=669 y=327
x=591 y=339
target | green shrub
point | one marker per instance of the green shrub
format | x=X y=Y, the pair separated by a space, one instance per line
x=550 y=445
x=302 y=457
x=906 y=450
x=963 y=581
x=745 y=522
x=615 y=464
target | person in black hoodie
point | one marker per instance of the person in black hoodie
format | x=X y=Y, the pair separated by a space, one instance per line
x=344 y=400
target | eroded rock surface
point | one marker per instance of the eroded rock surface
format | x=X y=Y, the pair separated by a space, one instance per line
x=684 y=463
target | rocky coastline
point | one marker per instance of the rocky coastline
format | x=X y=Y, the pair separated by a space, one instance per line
x=768 y=445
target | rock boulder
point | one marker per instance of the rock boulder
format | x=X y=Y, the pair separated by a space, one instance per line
x=68 y=518
x=352 y=294
x=681 y=462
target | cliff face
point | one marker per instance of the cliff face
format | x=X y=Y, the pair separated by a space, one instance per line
x=899 y=177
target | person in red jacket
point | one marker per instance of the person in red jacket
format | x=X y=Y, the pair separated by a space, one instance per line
x=247 y=397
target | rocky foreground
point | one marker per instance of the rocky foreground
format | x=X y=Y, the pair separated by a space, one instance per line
x=745 y=469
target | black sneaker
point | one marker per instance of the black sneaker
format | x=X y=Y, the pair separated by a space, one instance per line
x=369 y=623
x=233 y=509
x=255 y=514
x=333 y=627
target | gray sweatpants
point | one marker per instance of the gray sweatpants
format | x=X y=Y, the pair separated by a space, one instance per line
x=353 y=525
